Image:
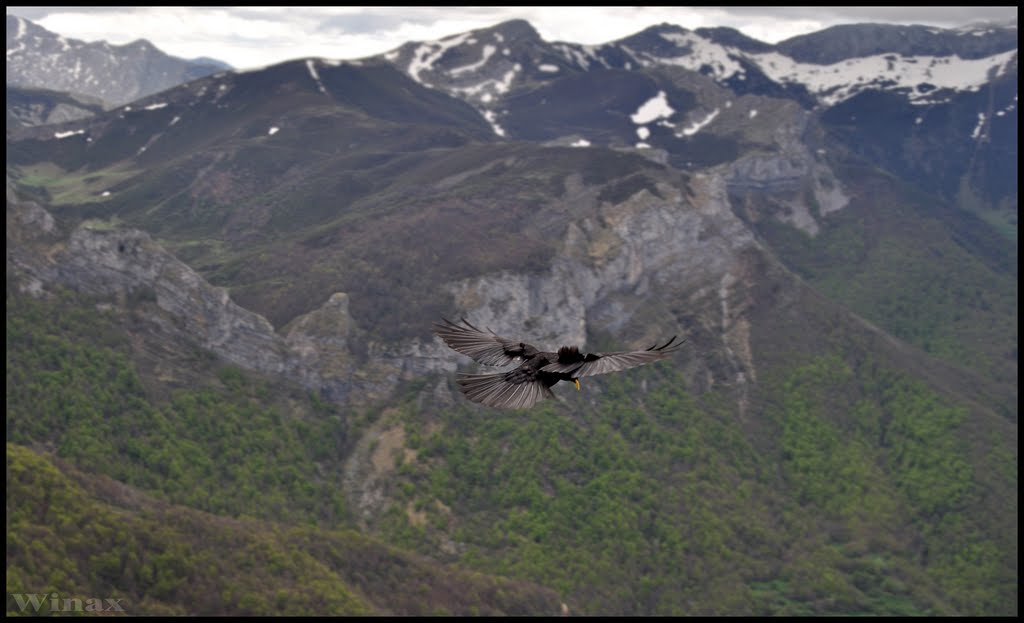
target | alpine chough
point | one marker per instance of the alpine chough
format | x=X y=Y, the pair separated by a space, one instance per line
x=531 y=380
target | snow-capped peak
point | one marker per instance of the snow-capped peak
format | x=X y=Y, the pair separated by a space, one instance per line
x=116 y=74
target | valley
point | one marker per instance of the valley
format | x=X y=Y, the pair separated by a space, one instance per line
x=220 y=296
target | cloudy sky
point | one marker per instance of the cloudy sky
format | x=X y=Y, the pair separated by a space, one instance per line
x=254 y=36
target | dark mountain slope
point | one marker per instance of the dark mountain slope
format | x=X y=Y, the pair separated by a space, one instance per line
x=27 y=107
x=837 y=43
x=182 y=121
x=964 y=150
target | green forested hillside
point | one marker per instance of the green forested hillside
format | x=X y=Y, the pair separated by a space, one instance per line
x=237 y=446
x=155 y=559
x=926 y=273
x=663 y=505
x=227 y=444
x=84 y=537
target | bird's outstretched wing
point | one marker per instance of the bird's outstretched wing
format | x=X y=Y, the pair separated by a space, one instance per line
x=485 y=347
x=515 y=389
x=571 y=361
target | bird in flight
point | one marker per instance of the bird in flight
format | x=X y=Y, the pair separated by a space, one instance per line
x=530 y=382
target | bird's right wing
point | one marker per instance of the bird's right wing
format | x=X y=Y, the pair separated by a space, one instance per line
x=485 y=347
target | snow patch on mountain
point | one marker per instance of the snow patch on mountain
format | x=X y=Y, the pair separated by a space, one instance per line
x=917 y=76
x=427 y=54
x=490 y=115
x=977 y=132
x=485 y=91
x=311 y=65
x=655 y=108
x=488 y=51
x=59 y=135
x=18 y=36
x=698 y=125
x=1008 y=108
x=581 y=56
x=703 y=53
x=21 y=28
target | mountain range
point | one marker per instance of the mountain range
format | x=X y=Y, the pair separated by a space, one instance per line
x=228 y=287
x=923 y=79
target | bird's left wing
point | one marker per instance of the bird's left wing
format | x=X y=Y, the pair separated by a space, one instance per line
x=485 y=347
x=515 y=389
x=592 y=364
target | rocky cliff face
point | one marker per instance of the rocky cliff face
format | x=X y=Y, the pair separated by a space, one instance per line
x=127 y=266
x=652 y=246
x=318 y=348
x=621 y=260
x=792 y=184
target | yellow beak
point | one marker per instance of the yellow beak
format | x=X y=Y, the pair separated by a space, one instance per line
x=577 y=381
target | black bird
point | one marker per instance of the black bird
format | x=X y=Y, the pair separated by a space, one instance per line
x=530 y=382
